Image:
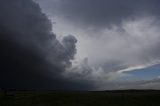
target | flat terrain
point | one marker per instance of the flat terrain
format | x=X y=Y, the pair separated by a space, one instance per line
x=80 y=98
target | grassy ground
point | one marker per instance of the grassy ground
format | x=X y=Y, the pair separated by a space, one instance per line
x=77 y=98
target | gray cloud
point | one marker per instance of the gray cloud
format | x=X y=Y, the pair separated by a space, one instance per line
x=115 y=36
x=143 y=84
x=99 y=13
x=31 y=56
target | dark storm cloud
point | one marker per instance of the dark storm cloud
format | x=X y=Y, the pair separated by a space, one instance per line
x=131 y=43
x=31 y=57
x=99 y=13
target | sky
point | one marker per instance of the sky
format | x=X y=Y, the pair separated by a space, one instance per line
x=80 y=44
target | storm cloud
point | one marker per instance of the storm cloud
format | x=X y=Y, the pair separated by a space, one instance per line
x=115 y=37
x=111 y=39
x=99 y=13
x=31 y=57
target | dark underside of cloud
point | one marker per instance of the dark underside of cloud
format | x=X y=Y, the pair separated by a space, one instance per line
x=116 y=36
x=100 y=13
x=31 y=57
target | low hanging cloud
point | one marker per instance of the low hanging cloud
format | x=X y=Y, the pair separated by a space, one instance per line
x=99 y=13
x=118 y=51
x=31 y=56
x=114 y=37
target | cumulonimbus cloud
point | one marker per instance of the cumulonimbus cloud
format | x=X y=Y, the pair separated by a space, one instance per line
x=31 y=56
x=115 y=36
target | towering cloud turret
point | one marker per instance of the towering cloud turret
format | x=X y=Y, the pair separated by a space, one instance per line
x=31 y=56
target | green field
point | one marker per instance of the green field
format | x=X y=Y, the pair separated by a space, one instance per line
x=80 y=98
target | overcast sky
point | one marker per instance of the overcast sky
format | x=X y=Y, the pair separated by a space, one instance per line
x=80 y=44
